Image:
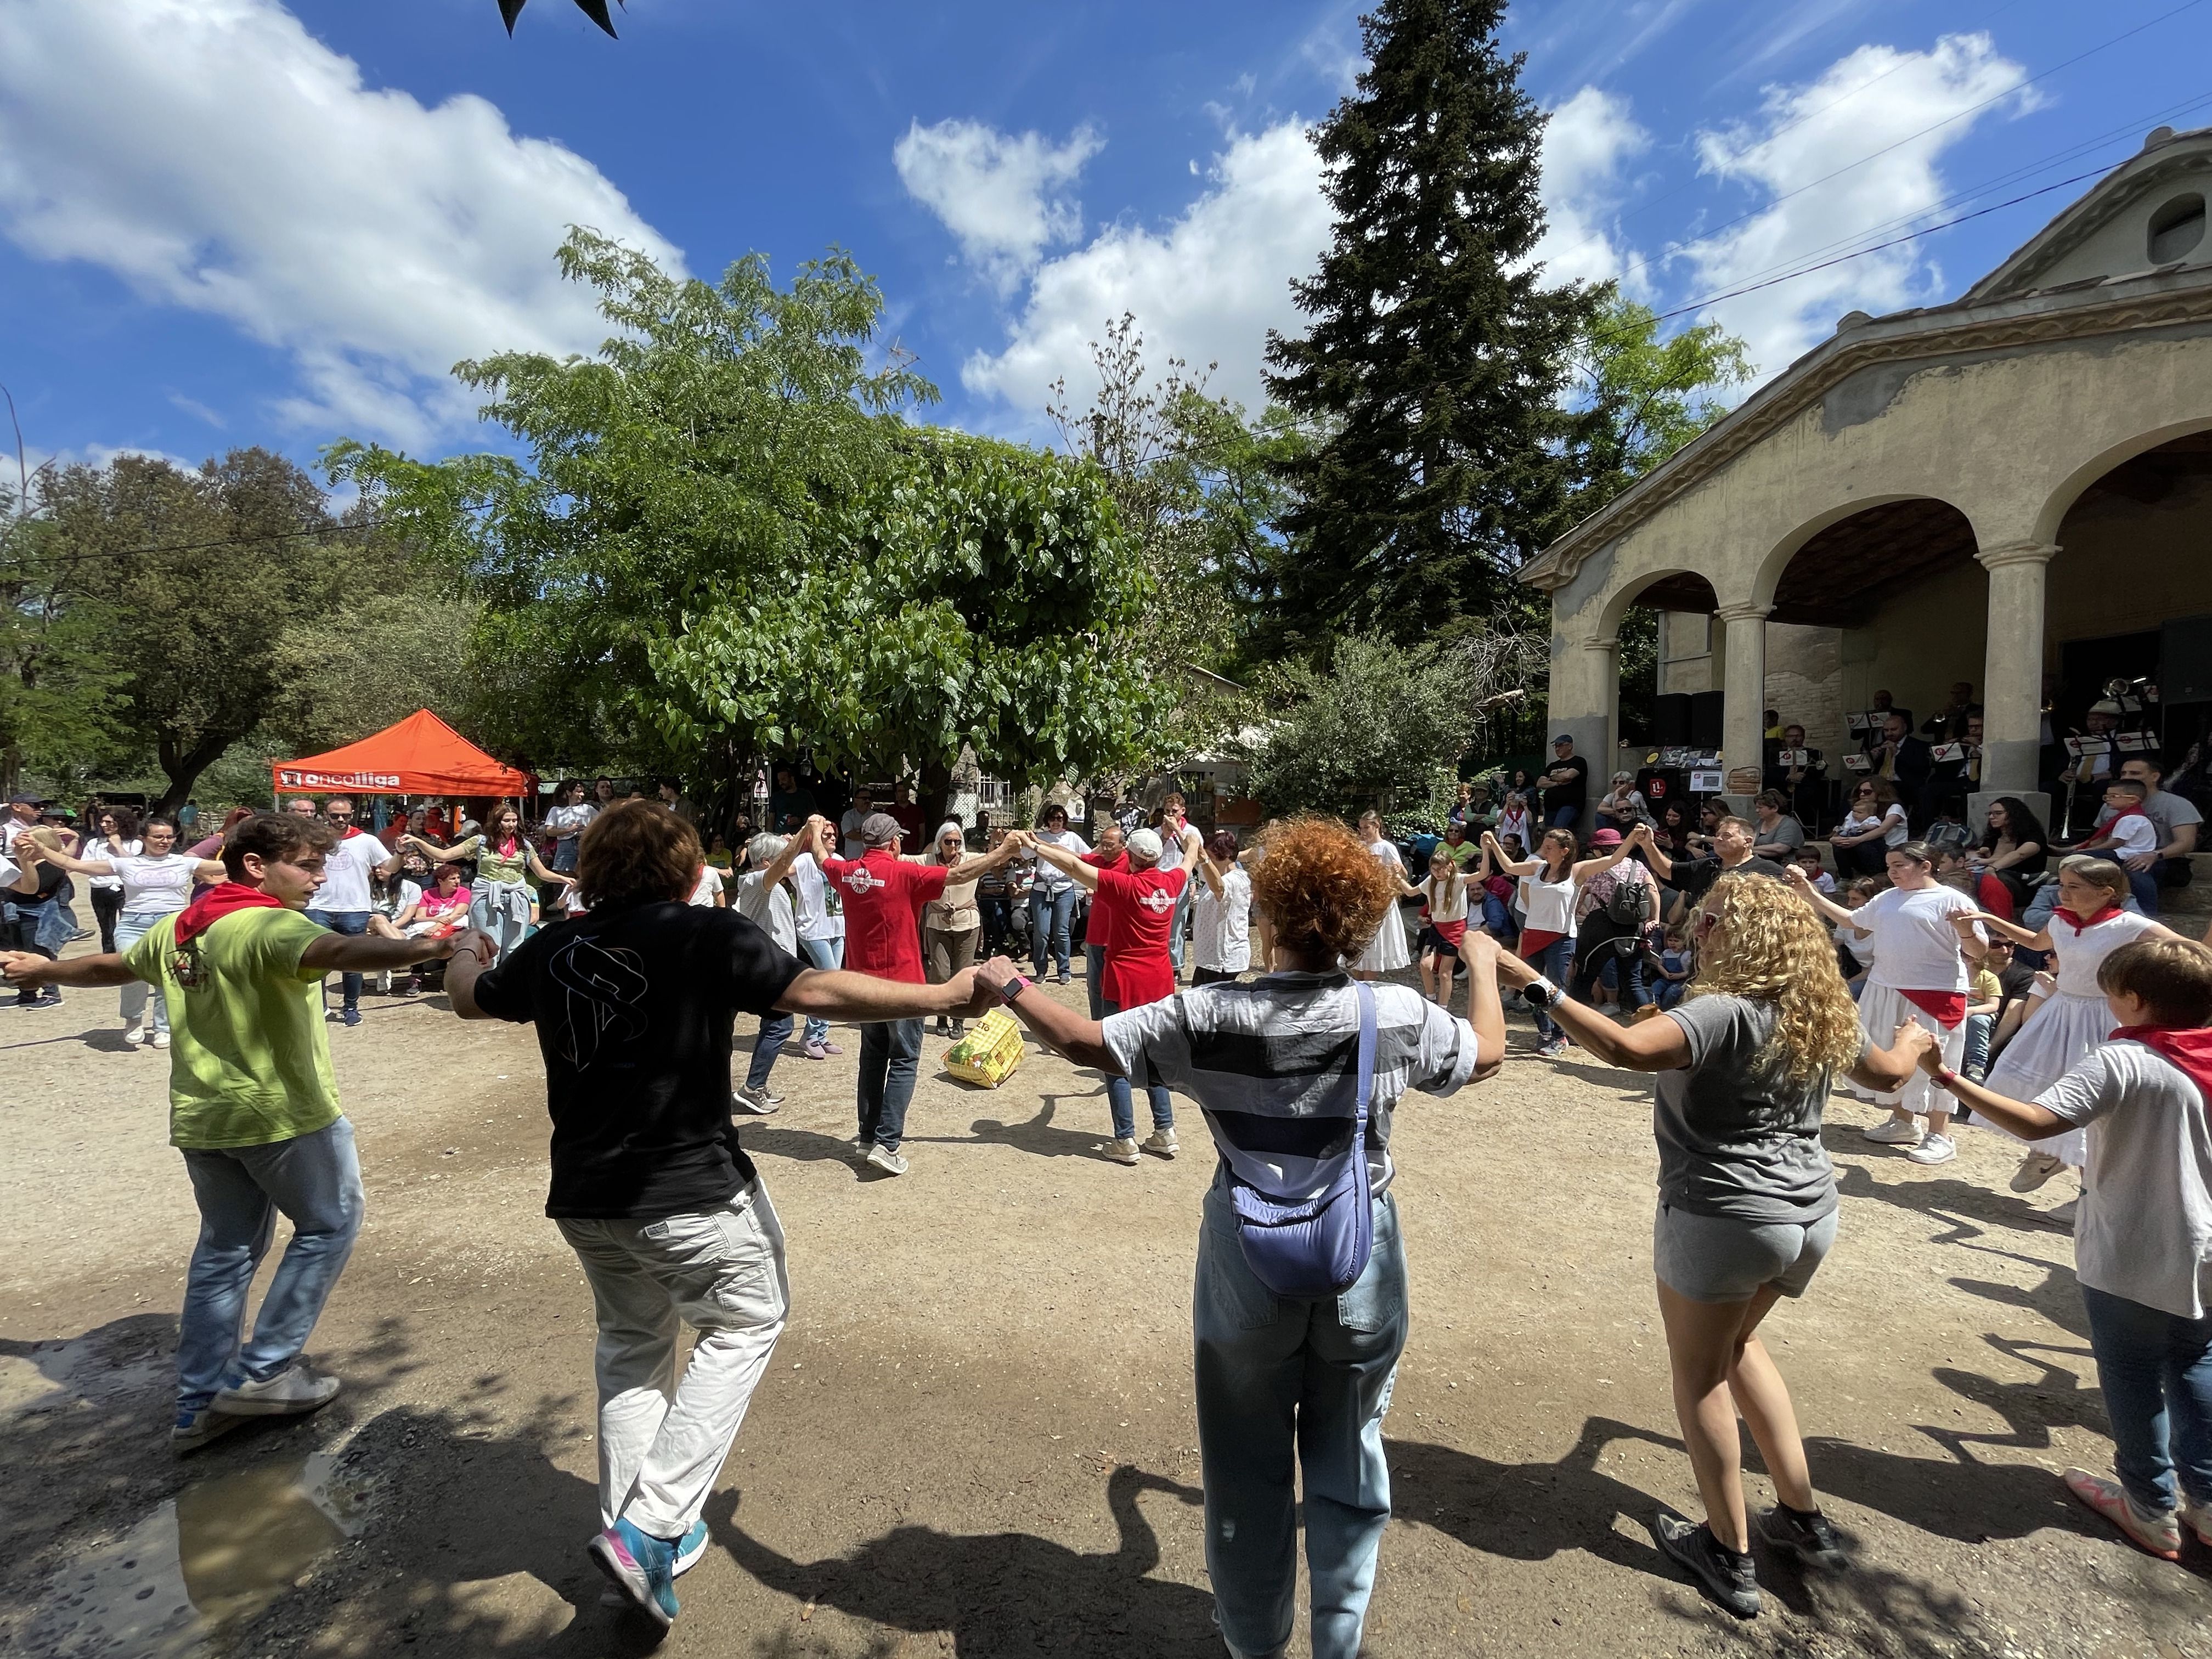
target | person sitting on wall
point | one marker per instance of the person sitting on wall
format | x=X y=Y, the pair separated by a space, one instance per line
x=2174 y=819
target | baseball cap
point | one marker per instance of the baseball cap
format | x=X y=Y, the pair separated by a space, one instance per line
x=1145 y=844
x=880 y=829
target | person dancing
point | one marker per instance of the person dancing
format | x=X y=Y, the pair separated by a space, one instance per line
x=1747 y=1202
x=1920 y=966
x=1549 y=885
x=499 y=903
x=1386 y=953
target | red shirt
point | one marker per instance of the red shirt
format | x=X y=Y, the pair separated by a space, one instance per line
x=883 y=896
x=1099 y=930
x=1139 y=907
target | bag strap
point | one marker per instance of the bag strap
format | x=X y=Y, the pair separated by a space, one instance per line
x=1366 y=1074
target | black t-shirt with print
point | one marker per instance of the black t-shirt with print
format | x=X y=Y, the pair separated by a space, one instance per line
x=634 y=1008
x=1574 y=793
x=1695 y=879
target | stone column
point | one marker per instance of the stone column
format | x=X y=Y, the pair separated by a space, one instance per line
x=2012 y=679
x=1743 y=702
x=1597 y=732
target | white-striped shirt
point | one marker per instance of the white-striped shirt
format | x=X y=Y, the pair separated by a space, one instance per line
x=1271 y=1064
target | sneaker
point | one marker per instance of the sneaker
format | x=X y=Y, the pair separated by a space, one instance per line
x=831 y=1048
x=861 y=1146
x=881 y=1156
x=940 y=1028
x=642 y=1568
x=2157 y=1531
x=161 y=1039
x=135 y=1032
x=753 y=1101
x=330 y=1016
x=350 y=1016
x=2035 y=1169
x=1553 y=1048
x=1894 y=1132
x=959 y=1029
x=193 y=1430
x=815 y=1051
x=292 y=1392
x=1806 y=1534
x=1058 y=979
x=409 y=986
x=1934 y=1149
x=1727 y=1577
x=50 y=997
x=1161 y=1143
x=689 y=1549
x=1121 y=1151
x=2064 y=1214
x=2199 y=1516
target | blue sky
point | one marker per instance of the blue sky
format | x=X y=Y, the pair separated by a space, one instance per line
x=225 y=221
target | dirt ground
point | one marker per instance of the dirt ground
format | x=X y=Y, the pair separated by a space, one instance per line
x=977 y=1436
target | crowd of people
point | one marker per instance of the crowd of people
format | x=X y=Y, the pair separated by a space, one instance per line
x=1752 y=975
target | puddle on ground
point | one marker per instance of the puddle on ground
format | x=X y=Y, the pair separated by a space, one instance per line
x=217 y=1554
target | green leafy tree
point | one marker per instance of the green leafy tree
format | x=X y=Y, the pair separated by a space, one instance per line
x=724 y=544
x=59 y=670
x=1436 y=358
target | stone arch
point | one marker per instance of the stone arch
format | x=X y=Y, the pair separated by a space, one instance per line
x=1888 y=517
x=2061 y=498
x=1678 y=583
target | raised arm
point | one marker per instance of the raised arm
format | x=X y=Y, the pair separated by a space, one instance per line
x=1069 y=864
x=977 y=864
x=805 y=839
x=367 y=953
x=1598 y=867
x=1656 y=855
x=453 y=855
x=1057 y=1026
x=1486 y=1012
x=1511 y=866
x=76 y=867
x=1821 y=903
x=2003 y=929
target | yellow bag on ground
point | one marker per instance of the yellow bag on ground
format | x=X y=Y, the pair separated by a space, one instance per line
x=989 y=1053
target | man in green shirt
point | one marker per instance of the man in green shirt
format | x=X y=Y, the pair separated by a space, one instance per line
x=254 y=1110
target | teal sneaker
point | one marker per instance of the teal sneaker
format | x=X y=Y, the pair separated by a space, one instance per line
x=689 y=1549
x=641 y=1566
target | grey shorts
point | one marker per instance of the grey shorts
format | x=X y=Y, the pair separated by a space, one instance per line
x=1712 y=1258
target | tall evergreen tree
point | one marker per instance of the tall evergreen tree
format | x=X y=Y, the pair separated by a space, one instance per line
x=1436 y=356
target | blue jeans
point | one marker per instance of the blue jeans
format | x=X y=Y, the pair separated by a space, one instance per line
x=2155 y=1368
x=1049 y=920
x=1179 y=923
x=1122 y=1103
x=890 y=1054
x=315 y=1180
x=1094 y=977
x=129 y=928
x=353 y=924
x=1552 y=961
x=774 y=1032
x=1980 y=1028
x=1287 y=1387
x=1565 y=817
x=825 y=954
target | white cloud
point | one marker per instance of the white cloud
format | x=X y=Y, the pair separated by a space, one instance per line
x=1870 y=100
x=1206 y=288
x=1006 y=198
x=216 y=156
x=1586 y=143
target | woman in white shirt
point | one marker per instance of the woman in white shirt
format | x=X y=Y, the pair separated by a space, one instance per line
x=1920 y=971
x=1221 y=915
x=1052 y=894
x=567 y=823
x=157 y=882
x=1444 y=894
x=1386 y=951
x=1873 y=823
x=118 y=838
x=1550 y=883
x=821 y=922
x=1514 y=821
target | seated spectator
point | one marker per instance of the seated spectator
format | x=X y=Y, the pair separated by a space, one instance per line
x=2013 y=851
x=1514 y=821
x=2173 y=817
x=1674 y=967
x=1874 y=822
x=1777 y=835
x=1809 y=856
x=428 y=912
x=1623 y=806
x=1799 y=780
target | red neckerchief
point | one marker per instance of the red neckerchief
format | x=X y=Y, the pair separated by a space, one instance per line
x=1945 y=1008
x=2188 y=1047
x=2081 y=925
x=352 y=829
x=218 y=901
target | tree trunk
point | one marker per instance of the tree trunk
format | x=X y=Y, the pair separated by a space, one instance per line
x=932 y=798
x=183 y=769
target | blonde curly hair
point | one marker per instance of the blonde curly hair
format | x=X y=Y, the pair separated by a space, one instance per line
x=1765 y=942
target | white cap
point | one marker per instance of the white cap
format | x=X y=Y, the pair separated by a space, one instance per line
x=1146 y=844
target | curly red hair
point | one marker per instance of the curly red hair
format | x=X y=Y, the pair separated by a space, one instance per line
x=1325 y=892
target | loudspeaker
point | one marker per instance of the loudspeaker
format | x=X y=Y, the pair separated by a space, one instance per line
x=2184 y=661
x=1670 y=720
x=1706 y=721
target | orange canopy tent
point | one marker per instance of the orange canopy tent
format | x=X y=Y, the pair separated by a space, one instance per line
x=420 y=756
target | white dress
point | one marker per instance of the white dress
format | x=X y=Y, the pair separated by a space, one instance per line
x=2069 y=1023
x=1388 y=951
x=1915 y=949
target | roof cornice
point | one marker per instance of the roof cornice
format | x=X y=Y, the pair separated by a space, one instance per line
x=2166 y=155
x=2077 y=311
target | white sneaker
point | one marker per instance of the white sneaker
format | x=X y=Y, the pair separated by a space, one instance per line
x=291 y=1391
x=753 y=1102
x=1161 y=1143
x=1894 y=1132
x=161 y=1039
x=135 y=1032
x=1934 y=1149
x=882 y=1157
x=2035 y=1169
x=1122 y=1151
x=2064 y=1213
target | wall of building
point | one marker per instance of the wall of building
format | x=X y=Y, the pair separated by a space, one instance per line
x=1687 y=661
x=2125 y=565
x=1804 y=680
x=2121 y=245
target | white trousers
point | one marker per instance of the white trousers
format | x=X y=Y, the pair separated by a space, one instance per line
x=719 y=1271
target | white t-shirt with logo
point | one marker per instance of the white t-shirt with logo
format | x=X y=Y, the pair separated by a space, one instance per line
x=155 y=887
x=815 y=919
x=346 y=871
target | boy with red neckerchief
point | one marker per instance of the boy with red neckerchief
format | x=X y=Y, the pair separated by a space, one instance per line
x=2143 y=1238
x=255 y=1109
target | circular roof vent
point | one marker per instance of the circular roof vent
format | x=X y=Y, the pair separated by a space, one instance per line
x=2177 y=228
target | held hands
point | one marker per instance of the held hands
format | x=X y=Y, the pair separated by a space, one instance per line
x=22 y=967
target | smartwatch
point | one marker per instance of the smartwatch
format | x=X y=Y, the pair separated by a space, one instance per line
x=1540 y=993
x=1014 y=988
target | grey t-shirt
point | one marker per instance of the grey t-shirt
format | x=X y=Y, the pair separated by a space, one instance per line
x=2168 y=811
x=2145 y=1231
x=1787 y=832
x=1736 y=1137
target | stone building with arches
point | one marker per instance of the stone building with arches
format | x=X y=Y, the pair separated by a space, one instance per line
x=2013 y=488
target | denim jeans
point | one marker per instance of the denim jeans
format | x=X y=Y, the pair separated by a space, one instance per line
x=1179 y=923
x=1980 y=1029
x=890 y=1054
x=1288 y=1387
x=774 y=1032
x=1049 y=919
x=1094 y=977
x=129 y=928
x=353 y=924
x=1565 y=817
x=722 y=1271
x=501 y=908
x=315 y=1180
x=2155 y=1368
x=998 y=923
x=1122 y=1103
x=825 y=954
x=1552 y=961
